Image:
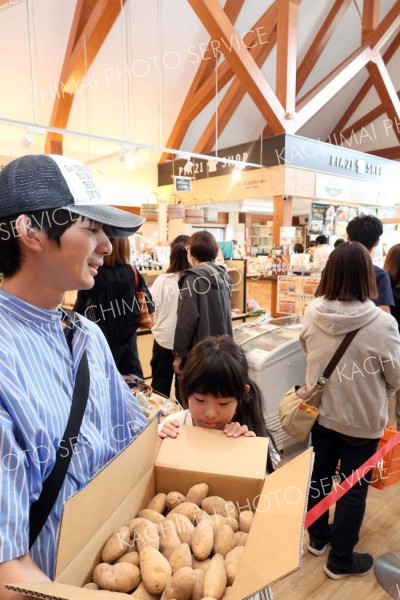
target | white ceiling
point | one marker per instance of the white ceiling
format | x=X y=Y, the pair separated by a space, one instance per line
x=138 y=81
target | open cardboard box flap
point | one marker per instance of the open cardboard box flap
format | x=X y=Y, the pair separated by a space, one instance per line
x=235 y=470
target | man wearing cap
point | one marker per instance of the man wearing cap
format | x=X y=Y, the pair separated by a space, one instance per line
x=54 y=234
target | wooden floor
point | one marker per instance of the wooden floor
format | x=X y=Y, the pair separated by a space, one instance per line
x=380 y=533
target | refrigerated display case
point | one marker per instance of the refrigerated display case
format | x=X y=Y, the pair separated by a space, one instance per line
x=276 y=363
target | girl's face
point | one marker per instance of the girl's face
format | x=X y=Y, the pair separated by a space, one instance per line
x=211 y=412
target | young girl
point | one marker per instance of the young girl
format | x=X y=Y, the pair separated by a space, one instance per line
x=217 y=393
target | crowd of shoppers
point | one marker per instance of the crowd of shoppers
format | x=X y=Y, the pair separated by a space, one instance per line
x=55 y=237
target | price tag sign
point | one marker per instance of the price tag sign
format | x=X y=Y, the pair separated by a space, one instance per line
x=183 y=184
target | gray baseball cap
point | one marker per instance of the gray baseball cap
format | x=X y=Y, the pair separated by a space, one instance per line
x=51 y=181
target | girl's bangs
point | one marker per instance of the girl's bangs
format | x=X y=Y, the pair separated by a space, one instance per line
x=218 y=379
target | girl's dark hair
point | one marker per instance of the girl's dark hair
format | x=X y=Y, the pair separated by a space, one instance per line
x=392 y=265
x=120 y=254
x=203 y=246
x=182 y=237
x=298 y=248
x=349 y=274
x=53 y=222
x=178 y=260
x=218 y=366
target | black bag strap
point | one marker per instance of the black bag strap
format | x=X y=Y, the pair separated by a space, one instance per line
x=41 y=508
x=348 y=338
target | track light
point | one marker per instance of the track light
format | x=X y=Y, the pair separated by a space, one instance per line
x=236 y=173
x=212 y=166
x=129 y=162
x=125 y=155
x=27 y=139
x=122 y=154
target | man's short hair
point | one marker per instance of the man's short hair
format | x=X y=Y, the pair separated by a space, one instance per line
x=321 y=239
x=365 y=229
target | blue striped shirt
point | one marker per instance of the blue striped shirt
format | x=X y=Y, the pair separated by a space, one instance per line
x=37 y=374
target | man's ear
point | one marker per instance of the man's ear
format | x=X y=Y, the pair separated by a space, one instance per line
x=29 y=236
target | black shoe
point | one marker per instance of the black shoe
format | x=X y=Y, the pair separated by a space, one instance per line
x=317 y=548
x=360 y=566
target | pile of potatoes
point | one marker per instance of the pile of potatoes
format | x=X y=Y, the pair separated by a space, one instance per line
x=177 y=548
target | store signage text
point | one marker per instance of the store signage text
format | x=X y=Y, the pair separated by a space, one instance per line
x=193 y=168
x=357 y=165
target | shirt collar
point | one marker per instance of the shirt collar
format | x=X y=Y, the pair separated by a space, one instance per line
x=28 y=312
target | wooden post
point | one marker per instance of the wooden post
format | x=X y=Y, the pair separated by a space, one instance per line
x=282 y=218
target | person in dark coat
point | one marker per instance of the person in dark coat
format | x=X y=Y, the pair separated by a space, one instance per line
x=204 y=305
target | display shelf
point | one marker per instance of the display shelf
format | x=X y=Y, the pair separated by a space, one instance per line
x=261 y=238
x=237 y=271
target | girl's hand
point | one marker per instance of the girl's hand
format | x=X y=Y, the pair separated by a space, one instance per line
x=237 y=430
x=169 y=429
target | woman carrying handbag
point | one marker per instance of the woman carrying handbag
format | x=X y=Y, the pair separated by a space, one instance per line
x=113 y=304
x=354 y=404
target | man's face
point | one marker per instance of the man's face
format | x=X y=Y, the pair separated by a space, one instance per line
x=73 y=265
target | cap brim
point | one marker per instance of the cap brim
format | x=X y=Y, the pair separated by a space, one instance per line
x=119 y=223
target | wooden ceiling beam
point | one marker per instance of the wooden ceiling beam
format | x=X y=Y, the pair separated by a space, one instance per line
x=337 y=130
x=286 y=54
x=386 y=90
x=361 y=123
x=322 y=93
x=215 y=21
x=230 y=102
x=391 y=153
x=90 y=27
x=204 y=73
x=320 y=41
x=370 y=19
x=205 y=94
x=386 y=28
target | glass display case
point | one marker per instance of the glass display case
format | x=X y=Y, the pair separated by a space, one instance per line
x=276 y=363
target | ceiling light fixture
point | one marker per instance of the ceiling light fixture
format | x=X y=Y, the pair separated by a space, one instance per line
x=128 y=145
x=122 y=153
x=27 y=139
x=236 y=172
x=129 y=162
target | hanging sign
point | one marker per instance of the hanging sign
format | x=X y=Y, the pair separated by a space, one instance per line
x=183 y=184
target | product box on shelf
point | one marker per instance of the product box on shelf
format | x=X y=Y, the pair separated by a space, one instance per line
x=233 y=468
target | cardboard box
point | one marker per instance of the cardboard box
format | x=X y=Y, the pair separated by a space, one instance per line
x=233 y=468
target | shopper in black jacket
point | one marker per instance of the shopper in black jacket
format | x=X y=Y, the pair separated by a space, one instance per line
x=112 y=304
x=204 y=306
